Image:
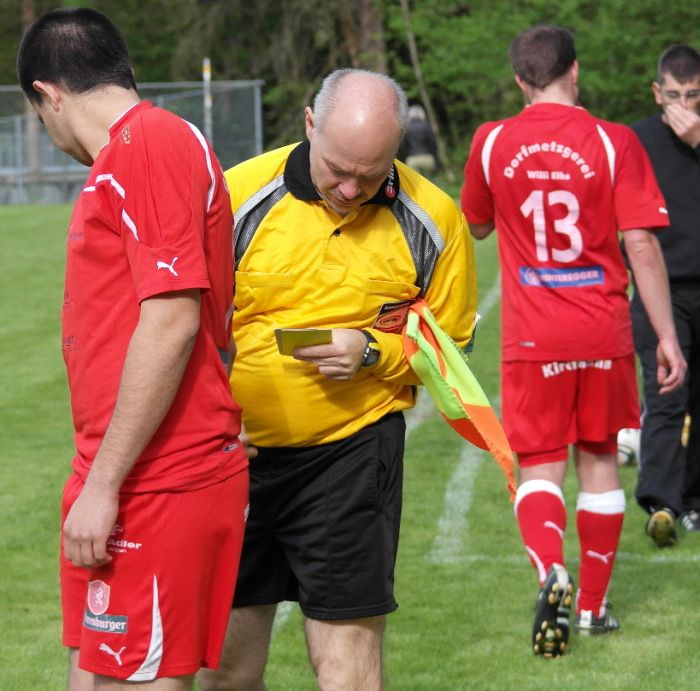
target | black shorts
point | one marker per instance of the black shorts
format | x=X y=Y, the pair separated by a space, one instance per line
x=323 y=527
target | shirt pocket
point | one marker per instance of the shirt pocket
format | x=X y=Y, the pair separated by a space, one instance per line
x=259 y=293
x=383 y=292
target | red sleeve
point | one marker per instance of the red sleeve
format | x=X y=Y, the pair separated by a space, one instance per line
x=167 y=190
x=476 y=198
x=638 y=200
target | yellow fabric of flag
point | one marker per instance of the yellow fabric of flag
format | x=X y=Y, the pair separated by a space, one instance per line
x=442 y=367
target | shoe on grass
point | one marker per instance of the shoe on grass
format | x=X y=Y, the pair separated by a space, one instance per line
x=661 y=528
x=690 y=520
x=550 y=631
x=587 y=624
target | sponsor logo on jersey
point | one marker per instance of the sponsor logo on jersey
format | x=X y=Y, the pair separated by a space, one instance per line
x=106 y=623
x=392 y=316
x=230 y=447
x=562 y=278
x=74 y=235
x=98 y=597
x=551 y=369
x=121 y=546
x=551 y=147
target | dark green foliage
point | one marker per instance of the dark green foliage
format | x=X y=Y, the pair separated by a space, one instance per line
x=462 y=46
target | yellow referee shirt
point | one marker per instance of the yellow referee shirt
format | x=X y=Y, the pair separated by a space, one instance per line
x=299 y=264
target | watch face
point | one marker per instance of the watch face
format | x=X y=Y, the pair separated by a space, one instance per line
x=372 y=358
x=371 y=355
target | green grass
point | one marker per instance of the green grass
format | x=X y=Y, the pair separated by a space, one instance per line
x=35 y=445
x=464 y=618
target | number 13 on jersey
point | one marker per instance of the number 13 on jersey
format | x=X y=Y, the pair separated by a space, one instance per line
x=535 y=205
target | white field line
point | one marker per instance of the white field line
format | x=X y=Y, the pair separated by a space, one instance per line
x=453 y=523
x=492 y=297
x=627 y=558
x=423 y=410
x=451 y=555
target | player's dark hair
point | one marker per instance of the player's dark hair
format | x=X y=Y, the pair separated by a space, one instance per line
x=681 y=62
x=77 y=48
x=542 y=54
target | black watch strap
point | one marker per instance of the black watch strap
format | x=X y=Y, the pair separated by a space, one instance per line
x=371 y=355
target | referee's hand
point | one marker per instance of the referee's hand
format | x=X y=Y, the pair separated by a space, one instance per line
x=338 y=360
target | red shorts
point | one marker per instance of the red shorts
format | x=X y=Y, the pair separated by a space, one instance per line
x=549 y=405
x=161 y=607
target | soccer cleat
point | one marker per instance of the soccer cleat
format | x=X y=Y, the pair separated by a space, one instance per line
x=550 y=632
x=661 y=528
x=589 y=625
x=690 y=520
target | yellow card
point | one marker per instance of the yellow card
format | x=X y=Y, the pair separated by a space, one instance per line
x=289 y=339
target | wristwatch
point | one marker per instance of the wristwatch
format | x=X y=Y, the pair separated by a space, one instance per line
x=371 y=355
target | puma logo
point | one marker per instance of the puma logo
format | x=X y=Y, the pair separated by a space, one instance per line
x=555 y=527
x=605 y=558
x=117 y=656
x=164 y=265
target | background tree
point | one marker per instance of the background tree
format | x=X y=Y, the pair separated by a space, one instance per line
x=462 y=45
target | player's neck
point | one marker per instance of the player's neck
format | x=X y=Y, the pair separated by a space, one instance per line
x=100 y=110
x=563 y=91
x=554 y=94
x=558 y=101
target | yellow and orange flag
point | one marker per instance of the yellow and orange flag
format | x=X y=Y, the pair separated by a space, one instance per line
x=442 y=367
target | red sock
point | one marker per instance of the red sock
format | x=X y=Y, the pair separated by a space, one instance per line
x=541 y=514
x=599 y=521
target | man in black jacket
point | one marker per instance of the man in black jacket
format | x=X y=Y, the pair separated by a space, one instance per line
x=668 y=487
x=418 y=147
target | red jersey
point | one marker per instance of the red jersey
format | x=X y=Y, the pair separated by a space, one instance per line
x=154 y=217
x=559 y=184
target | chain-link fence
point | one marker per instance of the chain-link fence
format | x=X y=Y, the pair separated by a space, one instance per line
x=33 y=170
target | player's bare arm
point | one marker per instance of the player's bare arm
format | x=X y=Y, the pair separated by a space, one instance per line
x=651 y=279
x=340 y=359
x=684 y=122
x=158 y=353
x=481 y=230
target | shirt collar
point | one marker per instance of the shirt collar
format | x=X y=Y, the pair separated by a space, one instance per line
x=127 y=114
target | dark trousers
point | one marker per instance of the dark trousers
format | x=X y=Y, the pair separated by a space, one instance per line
x=669 y=474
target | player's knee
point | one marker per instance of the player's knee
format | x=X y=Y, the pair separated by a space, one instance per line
x=240 y=677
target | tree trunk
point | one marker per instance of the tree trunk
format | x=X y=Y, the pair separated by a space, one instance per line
x=372 y=46
x=32 y=160
x=418 y=72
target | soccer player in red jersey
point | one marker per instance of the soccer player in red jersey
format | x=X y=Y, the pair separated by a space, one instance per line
x=147 y=567
x=558 y=184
